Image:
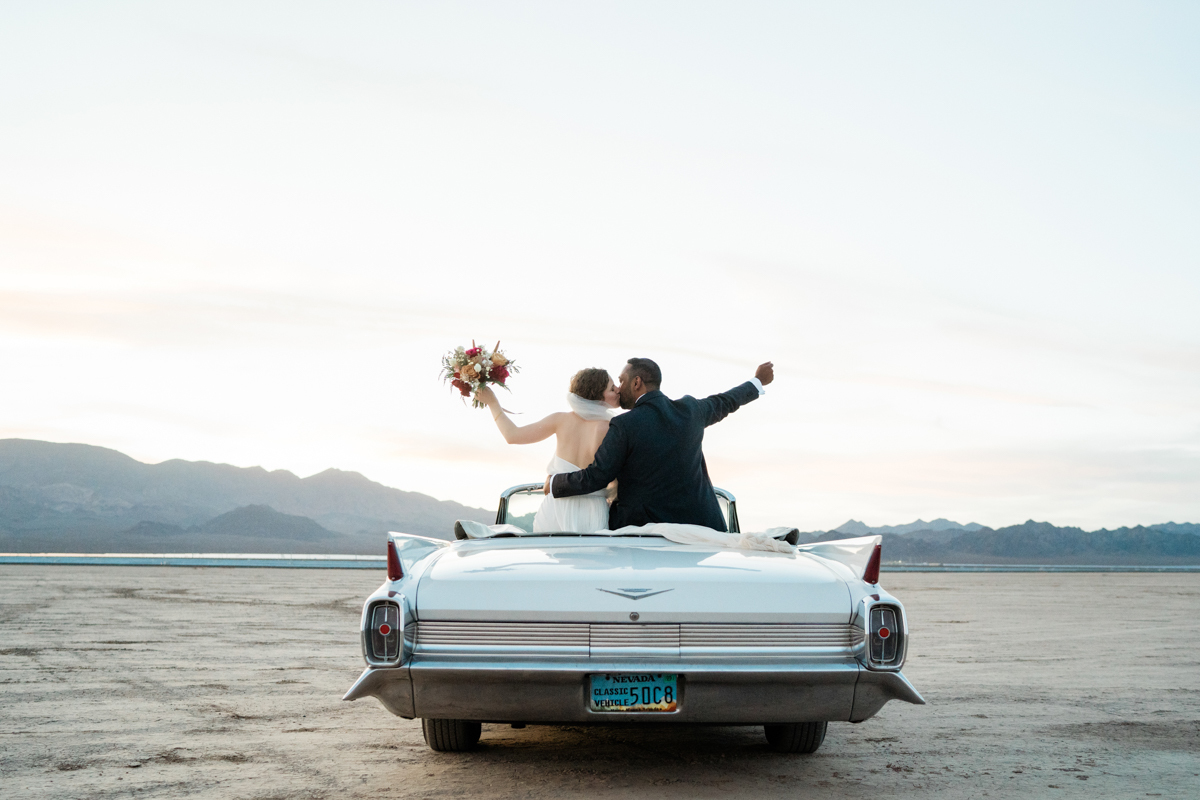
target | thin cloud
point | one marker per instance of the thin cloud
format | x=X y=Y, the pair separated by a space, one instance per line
x=961 y=390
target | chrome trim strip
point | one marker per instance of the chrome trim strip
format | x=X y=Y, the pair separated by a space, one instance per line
x=626 y=640
x=769 y=634
x=442 y=640
x=457 y=639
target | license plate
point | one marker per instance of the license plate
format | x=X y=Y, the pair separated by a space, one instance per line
x=642 y=691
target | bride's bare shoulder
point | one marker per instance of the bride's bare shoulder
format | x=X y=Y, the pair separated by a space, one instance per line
x=560 y=418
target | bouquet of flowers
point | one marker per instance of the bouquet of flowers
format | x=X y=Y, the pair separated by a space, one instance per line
x=470 y=369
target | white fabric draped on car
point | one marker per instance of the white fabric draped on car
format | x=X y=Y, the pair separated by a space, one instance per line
x=854 y=553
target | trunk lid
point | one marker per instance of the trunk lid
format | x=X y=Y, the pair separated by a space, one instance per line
x=605 y=580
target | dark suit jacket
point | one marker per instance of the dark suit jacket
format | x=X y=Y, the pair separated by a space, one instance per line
x=653 y=451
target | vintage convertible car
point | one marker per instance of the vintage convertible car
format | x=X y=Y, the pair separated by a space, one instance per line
x=515 y=627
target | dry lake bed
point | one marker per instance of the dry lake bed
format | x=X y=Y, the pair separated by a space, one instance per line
x=227 y=683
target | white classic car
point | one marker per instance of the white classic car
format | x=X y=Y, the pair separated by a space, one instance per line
x=507 y=626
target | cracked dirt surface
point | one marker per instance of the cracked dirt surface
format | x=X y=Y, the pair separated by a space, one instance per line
x=226 y=683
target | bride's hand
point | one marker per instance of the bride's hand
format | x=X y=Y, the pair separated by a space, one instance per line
x=486 y=395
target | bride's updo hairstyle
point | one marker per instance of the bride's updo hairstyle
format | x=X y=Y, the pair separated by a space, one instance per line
x=590 y=383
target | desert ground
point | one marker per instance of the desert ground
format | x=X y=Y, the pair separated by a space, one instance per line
x=227 y=683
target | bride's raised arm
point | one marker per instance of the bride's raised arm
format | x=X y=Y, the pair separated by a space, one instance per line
x=519 y=434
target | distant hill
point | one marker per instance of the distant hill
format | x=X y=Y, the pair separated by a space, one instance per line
x=250 y=529
x=1042 y=543
x=81 y=498
x=855 y=528
x=1177 y=527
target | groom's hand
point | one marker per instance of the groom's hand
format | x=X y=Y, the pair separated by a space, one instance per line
x=765 y=373
x=546 y=488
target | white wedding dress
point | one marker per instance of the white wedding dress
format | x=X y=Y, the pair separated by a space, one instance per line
x=583 y=514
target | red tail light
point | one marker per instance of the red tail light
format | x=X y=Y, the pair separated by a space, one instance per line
x=871 y=574
x=383 y=635
x=395 y=573
x=885 y=637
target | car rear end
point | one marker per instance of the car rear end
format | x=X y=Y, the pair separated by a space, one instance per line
x=576 y=632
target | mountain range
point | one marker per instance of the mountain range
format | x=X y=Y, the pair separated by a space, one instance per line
x=85 y=499
x=82 y=498
x=943 y=541
x=855 y=528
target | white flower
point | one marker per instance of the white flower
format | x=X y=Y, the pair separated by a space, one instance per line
x=479 y=367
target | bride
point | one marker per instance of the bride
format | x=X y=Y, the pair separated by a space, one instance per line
x=592 y=399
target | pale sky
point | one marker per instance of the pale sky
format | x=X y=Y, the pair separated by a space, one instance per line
x=246 y=232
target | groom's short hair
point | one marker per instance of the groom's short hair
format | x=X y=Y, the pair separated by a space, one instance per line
x=647 y=370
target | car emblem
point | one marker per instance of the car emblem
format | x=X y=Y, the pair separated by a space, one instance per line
x=635 y=594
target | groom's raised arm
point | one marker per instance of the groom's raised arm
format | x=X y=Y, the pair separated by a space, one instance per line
x=604 y=467
x=719 y=406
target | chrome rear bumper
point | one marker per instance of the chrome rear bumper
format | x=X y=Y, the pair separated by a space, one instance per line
x=556 y=692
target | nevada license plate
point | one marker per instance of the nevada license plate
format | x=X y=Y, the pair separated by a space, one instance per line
x=644 y=691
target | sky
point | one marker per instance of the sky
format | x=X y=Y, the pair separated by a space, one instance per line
x=246 y=233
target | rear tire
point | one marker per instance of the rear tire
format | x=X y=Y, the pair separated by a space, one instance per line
x=796 y=737
x=450 y=735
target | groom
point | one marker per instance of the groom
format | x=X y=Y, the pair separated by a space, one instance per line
x=654 y=451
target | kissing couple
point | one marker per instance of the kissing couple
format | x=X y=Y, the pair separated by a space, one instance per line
x=641 y=467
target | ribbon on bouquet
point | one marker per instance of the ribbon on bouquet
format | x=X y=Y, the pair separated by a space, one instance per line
x=506 y=411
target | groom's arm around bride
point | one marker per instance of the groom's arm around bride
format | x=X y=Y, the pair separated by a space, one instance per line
x=654 y=451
